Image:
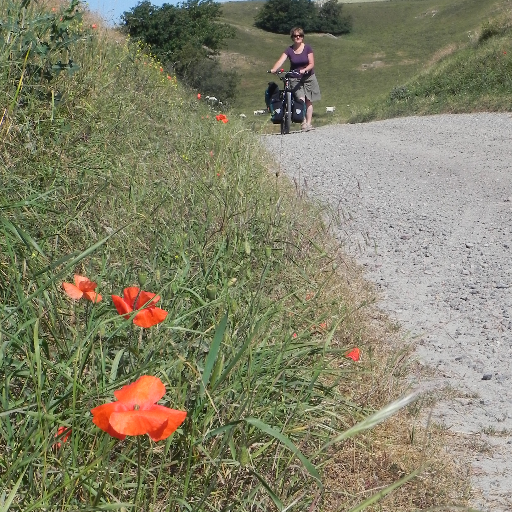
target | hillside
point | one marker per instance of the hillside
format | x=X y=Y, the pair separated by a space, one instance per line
x=390 y=43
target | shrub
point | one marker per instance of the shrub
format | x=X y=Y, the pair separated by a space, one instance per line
x=184 y=37
x=279 y=16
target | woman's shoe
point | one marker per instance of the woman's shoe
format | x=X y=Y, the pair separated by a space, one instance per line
x=304 y=126
x=309 y=127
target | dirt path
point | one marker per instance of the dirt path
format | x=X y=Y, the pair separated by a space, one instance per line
x=426 y=207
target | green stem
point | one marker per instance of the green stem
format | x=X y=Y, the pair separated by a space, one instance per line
x=138 y=468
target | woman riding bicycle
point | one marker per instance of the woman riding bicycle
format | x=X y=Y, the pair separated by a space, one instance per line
x=302 y=61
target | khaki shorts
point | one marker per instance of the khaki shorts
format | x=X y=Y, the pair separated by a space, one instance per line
x=306 y=88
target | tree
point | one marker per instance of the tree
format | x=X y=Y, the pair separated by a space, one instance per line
x=280 y=16
x=183 y=36
x=331 y=19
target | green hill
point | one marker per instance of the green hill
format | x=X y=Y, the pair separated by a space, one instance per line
x=391 y=42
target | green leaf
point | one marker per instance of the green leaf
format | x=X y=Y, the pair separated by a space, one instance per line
x=115 y=365
x=6 y=505
x=288 y=443
x=214 y=351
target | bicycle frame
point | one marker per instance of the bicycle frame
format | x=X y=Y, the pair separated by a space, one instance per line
x=285 y=76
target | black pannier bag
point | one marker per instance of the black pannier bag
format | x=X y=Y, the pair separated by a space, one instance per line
x=274 y=102
x=277 y=110
x=271 y=93
x=298 y=111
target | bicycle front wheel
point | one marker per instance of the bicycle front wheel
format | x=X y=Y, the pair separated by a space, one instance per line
x=287 y=120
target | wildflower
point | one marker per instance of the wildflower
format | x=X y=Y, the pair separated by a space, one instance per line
x=93 y=26
x=221 y=117
x=294 y=335
x=169 y=77
x=133 y=299
x=161 y=69
x=83 y=287
x=64 y=434
x=198 y=96
x=354 y=354
x=136 y=412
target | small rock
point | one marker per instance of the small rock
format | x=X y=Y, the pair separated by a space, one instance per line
x=487 y=376
x=469 y=245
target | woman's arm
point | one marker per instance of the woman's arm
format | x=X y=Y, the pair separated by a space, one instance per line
x=279 y=63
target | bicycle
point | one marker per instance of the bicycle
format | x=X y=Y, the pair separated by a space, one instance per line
x=286 y=96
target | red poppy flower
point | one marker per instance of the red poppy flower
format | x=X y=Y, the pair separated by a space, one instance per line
x=133 y=299
x=136 y=413
x=221 y=117
x=354 y=354
x=83 y=287
x=198 y=96
x=63 y=438
x=161 y=69
x=94 y=25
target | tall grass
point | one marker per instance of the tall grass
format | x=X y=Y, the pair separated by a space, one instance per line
x=116 y=172
x=477 y=77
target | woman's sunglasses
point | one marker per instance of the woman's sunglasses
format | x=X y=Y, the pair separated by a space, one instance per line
x=297 y=35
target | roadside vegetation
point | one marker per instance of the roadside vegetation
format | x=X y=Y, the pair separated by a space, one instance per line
x=186 y=38
x=118 y=183
x=474 y=78
x=261 y=330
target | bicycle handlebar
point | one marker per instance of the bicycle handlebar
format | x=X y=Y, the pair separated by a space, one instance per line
x=287 y=74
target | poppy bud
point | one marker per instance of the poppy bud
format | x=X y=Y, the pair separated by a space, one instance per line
x=142 y=277
x=247 y=248
x=211 y=291
x=232 y=282
x=268 y=252
x=244 y=456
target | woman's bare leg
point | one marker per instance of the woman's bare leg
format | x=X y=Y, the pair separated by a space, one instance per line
x=309 y=112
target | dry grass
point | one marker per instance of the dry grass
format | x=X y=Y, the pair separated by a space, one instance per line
x=363 y=466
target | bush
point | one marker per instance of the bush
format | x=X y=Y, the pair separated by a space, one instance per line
x=185 y=38
x=208 y=76
x=279 y=16
x=331 y=20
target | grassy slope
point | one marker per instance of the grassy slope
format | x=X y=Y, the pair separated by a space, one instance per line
x=402 y=36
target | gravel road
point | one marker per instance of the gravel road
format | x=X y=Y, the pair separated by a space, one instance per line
x=427 y=209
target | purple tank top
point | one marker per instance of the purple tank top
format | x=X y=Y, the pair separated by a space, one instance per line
x=299 y=60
